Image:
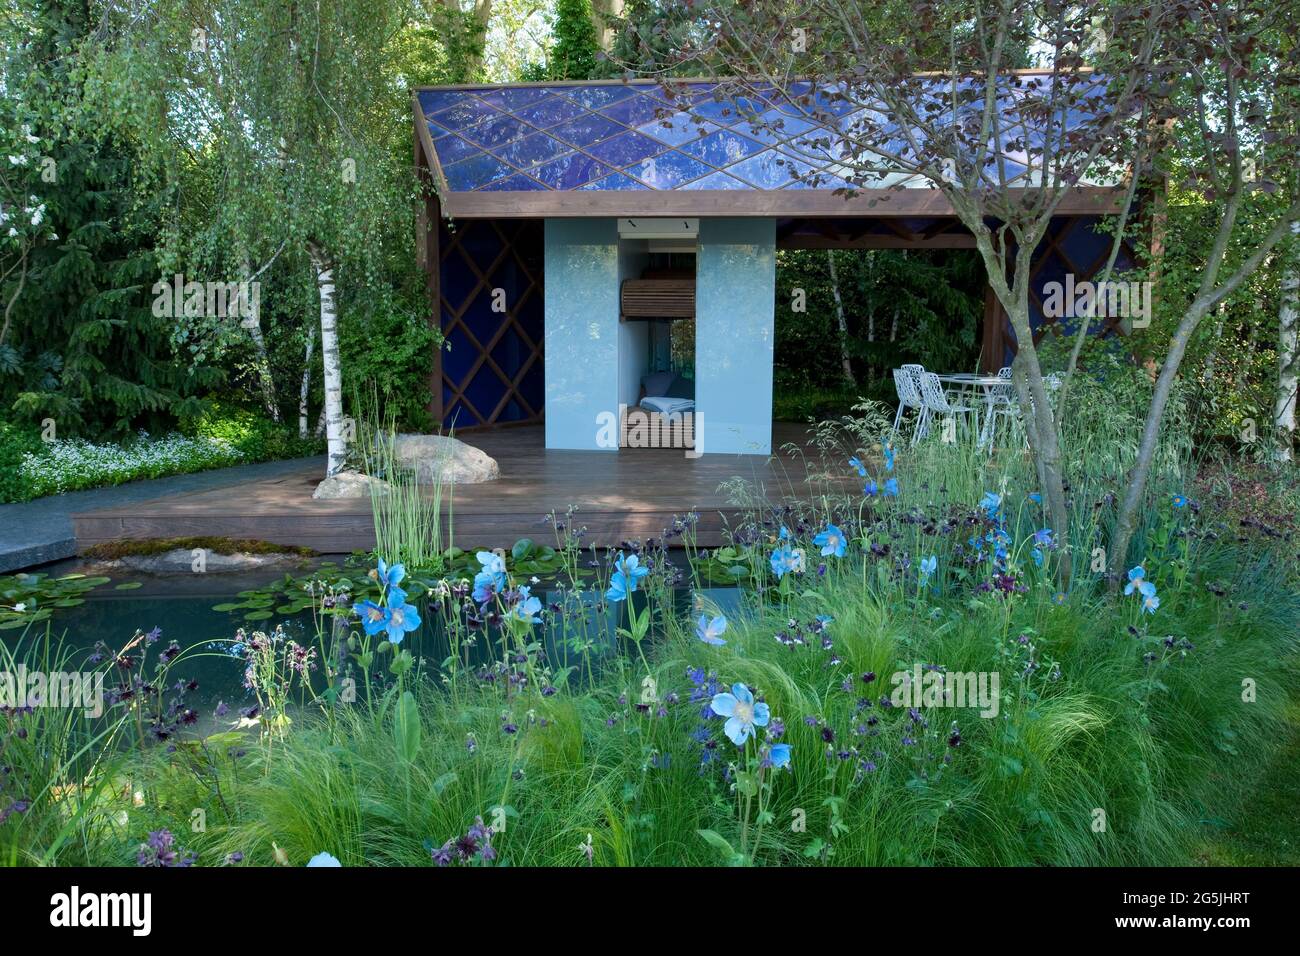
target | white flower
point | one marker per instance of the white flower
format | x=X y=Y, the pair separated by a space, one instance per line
x=17 y=160
x=20 y=607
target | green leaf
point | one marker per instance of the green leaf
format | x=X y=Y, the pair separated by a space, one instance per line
x=719 y=842
x=129 y=586
x=406 y=728
x=746 y=783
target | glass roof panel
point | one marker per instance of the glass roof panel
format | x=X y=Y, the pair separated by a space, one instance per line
x=475 y=172
x=626 y=148
x=570 y=172
x=611 y=136
x=615 y=181
x=531 y=150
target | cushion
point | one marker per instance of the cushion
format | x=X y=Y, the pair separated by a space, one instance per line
x=681 y=388
x=657 y=383
x=667 y=406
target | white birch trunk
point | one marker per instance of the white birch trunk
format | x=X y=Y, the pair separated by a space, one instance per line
x=839 y=318
x=1288 y=317
x=329 y=351
x=871 y=308
x=304 y=390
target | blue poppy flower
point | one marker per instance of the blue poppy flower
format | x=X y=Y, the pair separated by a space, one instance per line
x=1150 y=601
x=831 y=541
x=323 y=859
x=624 y=579
x=527 y=607
x=486 y=585
x=1136 y=579
x=742 y=713
x=779 y=756
x=870 y=489
x=786 y=559
x=491 y=580
x=402 y=617
x=992 y=504
x=928 y=567
x=891 y=488
x=1179 y=501
x=710 y=631
x=856 y=464
x=373 y=617
x=1060 y=598
x=889 y=458
x=390 y=576
x=1035 y=497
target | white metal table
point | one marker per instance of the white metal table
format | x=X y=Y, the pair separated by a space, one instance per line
x=992 y=388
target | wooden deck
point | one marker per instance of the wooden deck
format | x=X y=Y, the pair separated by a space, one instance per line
x=629 y=494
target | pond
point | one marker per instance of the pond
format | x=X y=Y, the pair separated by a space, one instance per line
x=184 y=608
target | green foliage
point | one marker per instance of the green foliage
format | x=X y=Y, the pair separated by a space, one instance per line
x=574 y=51
x=1019 y=790
x=389 y=353
x=82 y=346
x=900 y=306
x=16 y=440
x=215 y=438
x=1141 y=717
x=250 y=433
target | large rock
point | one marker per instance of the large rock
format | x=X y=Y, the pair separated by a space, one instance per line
x=441 y=458
x=349 y=484
x=183 y=561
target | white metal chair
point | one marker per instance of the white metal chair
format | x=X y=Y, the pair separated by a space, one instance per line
x=937 y=403
x=909 y=396
x=1000 y=402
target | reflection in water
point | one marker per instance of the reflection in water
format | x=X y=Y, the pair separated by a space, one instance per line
x=580 y=639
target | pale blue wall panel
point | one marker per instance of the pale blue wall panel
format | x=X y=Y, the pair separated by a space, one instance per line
x=735 y=299
x=582 y=361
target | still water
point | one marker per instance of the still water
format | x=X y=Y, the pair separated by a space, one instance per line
x=181 y=606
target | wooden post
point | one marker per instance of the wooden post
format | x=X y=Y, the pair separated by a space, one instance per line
x=428 y=255
x=993 y=347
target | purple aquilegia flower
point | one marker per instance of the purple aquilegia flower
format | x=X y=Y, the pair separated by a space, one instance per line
x=160 y=849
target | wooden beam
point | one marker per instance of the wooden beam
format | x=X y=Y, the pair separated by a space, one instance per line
x=877 y=241
x=883 y=204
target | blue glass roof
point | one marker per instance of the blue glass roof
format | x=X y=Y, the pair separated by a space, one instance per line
x=633 y=136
